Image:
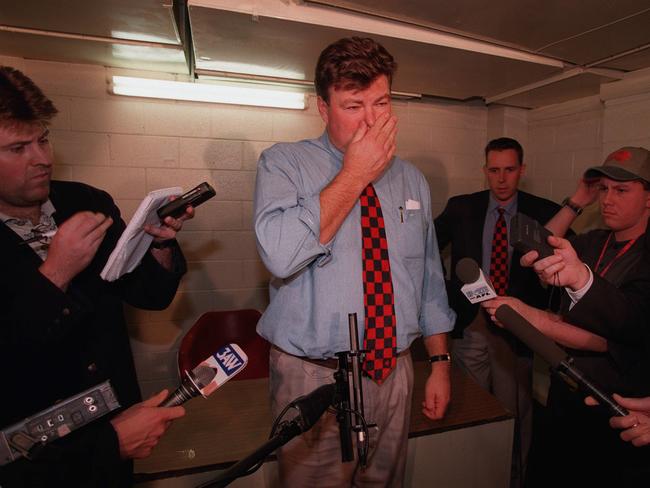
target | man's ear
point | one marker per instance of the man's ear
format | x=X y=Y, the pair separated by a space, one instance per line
x=323 y=109
x=522 y=170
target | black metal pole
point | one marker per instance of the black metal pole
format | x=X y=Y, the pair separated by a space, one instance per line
x=286 y=433
x=342 y=404
x=357 y=388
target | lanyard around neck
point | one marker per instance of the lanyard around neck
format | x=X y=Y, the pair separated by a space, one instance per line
x=620 y=253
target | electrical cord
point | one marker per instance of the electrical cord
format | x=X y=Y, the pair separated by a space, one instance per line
x=274 y=428
x=364 y=425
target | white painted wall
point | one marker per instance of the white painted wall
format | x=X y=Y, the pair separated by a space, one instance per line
x=567 y=138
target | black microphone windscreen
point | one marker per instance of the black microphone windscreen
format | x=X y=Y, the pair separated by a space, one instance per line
x=314 y=404
x=203 y=375
x=468 y=270
x=530 y=336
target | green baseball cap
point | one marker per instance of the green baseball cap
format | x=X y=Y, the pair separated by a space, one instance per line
x=624 y=164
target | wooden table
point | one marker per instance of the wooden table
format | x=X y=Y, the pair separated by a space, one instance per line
x=236 y=420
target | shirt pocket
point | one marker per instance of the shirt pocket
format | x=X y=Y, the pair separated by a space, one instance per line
x=412 y=233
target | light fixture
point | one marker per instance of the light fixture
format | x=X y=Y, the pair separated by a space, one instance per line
x=231 y=93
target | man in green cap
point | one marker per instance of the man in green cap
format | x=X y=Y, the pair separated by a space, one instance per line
x=602 y=323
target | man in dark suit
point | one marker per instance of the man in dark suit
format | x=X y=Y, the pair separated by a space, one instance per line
x=62 y=329
x=499 y=363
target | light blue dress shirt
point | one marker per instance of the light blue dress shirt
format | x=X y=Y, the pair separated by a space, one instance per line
x=316 y=286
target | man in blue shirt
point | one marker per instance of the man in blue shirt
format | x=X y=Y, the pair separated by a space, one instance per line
x=309 y=234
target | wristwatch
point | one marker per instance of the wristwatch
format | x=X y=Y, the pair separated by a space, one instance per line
x=567 y=202
x=440 y=357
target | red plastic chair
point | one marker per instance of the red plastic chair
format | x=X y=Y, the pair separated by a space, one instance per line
x=215 y=329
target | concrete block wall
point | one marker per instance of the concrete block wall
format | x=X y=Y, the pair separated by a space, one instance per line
x=564 y=140
x=130 y=146
x=627 y=111
x=445 y=141
x=627 y=122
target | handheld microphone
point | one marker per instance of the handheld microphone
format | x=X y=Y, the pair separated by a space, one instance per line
x=477 y=287
x=312 y=405
x=191 y=386
x=558 y=359
x=209 y=375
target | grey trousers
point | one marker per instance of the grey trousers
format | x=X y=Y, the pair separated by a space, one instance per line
x=487 y=354
x=314 y=458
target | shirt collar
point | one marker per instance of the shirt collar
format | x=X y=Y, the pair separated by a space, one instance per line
x=510 y=208
x=327 y=143
x=47 y=208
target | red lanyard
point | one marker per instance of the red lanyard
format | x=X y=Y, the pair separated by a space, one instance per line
x=625 y=249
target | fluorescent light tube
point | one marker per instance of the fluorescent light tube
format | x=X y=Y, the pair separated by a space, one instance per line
x=202 y=92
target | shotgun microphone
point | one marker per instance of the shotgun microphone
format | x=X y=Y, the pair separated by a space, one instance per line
x=313 y=405
x=559 y=360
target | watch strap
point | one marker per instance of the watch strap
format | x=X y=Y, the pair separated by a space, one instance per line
x=440 y=357
x=577 y=209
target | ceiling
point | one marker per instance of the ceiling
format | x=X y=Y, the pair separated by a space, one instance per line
x=519 y=52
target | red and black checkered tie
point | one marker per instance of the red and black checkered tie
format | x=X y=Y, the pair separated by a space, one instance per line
x=380 y=340
x=499 y=257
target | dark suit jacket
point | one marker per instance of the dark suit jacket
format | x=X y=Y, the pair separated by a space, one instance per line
x=461 y=225
x=619 y=312
x=54 y=344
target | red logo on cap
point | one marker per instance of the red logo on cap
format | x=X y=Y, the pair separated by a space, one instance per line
x=621 y=155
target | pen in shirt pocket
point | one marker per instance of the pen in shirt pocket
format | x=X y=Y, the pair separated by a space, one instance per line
x=39 y=237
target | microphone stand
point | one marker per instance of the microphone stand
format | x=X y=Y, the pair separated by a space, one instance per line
x=287 y=432
x=342 y=405
x=300 y=424
x=360 y=427
x=310 y=408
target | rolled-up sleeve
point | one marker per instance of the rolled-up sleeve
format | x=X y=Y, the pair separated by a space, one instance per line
x=287 y=216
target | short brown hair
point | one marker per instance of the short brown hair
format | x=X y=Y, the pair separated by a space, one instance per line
x=352 y=63
x=503 y=144
x=21 y=101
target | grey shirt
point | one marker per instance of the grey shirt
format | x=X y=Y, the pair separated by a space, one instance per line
x=28 y=231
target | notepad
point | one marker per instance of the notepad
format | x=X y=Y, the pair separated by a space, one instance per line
x=134 y=242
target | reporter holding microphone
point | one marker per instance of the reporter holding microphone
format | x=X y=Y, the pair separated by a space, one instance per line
x=63 y=329
x=602 y=322
x=635 y=427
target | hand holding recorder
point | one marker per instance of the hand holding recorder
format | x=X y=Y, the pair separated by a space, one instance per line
x=193 y=198
x=177 y=210
x=527 y=235
x=562 y=268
